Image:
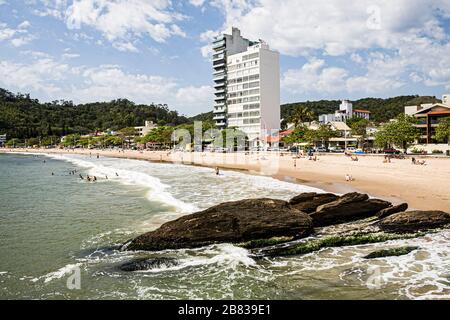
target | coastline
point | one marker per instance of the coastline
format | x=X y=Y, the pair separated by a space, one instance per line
x=422 y=187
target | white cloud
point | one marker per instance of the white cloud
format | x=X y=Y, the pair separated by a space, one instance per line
x=53 y=80
x=197 y=3
x=125 y=47
x=409 y=34
x=38 y=76
x=16 y=36
x=121 y=21
x=298 y=27
x=69 y=55
x=24 y=25
x=313 y=76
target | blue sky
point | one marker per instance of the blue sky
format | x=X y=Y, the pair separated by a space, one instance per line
x=158 y=50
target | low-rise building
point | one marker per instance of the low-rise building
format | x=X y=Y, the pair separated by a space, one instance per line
x=428 y=118
x=344 y=113
x=142 y=131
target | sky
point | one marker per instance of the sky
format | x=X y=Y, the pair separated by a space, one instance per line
x=158 y=51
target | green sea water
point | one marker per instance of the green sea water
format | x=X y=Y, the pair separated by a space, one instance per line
x=53 y=225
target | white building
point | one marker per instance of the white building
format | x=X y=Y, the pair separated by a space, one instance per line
x=251 y=91
x=344 y=113
x=223 y=46
x=149 y=125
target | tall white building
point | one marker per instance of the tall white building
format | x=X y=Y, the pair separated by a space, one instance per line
x=251 y=90
x=223 y=46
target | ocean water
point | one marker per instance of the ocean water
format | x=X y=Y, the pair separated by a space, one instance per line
x=52 y=226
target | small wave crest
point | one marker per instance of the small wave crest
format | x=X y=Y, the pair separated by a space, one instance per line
x=157 y=189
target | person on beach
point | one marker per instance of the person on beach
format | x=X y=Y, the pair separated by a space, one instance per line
x=106 y=177
x=98 y=156
x=348 y=178
x=217 y=171
x=413 y=160
x=295 y=163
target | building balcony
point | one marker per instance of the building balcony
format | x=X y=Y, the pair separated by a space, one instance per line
x=219 y=65
x=219 y=109
x=218 y=86
x=219 y=117
x=220 y=91
x=218 y=44
x=220 y=100
x=218 y=57
x=219 y=76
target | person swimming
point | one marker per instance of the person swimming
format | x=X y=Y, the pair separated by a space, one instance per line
x=217 y=171
x=117 y=174
x=81 y=177
x=95 y=178
x=106 y=177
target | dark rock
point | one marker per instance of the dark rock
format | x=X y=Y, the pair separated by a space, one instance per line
x=232 y=222
x=309 y=201
x=147 y=264
x=391 y=210
x=394 y=252
x=349 y=207
x=413 y=221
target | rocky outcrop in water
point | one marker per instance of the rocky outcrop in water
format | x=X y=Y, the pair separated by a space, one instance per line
x=268 y=223
x=147 y=264
x=391 y=210
x=231 y=222
x=393 y=252
x=309 y=201
x=412 y=221
x=349 y=207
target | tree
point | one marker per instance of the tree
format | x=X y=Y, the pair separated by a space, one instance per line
x=400 y=132
x=162 y=135
x=359 y=128
x=127 y=134
x=300 y=115
x=443 y=131
x=71 y=140
x=323 y=134
x=297 y=136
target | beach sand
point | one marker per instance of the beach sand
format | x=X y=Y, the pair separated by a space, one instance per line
x=424 y=187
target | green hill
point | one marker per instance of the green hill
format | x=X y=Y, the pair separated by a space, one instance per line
x=23 y=117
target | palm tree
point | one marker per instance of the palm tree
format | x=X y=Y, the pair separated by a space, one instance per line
x=300 y=115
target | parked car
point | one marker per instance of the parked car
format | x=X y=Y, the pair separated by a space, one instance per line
x=321 y=149
x=391 y=151
x=336 y=149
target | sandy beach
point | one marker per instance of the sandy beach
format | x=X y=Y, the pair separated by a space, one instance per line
x=423 y=187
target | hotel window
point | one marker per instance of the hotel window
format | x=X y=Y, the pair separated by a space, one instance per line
x=250 y=56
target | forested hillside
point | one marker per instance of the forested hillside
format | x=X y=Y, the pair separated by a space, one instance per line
x=382 y=109
x=23 y=117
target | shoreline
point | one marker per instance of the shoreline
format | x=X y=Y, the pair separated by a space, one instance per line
x=422 y=187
